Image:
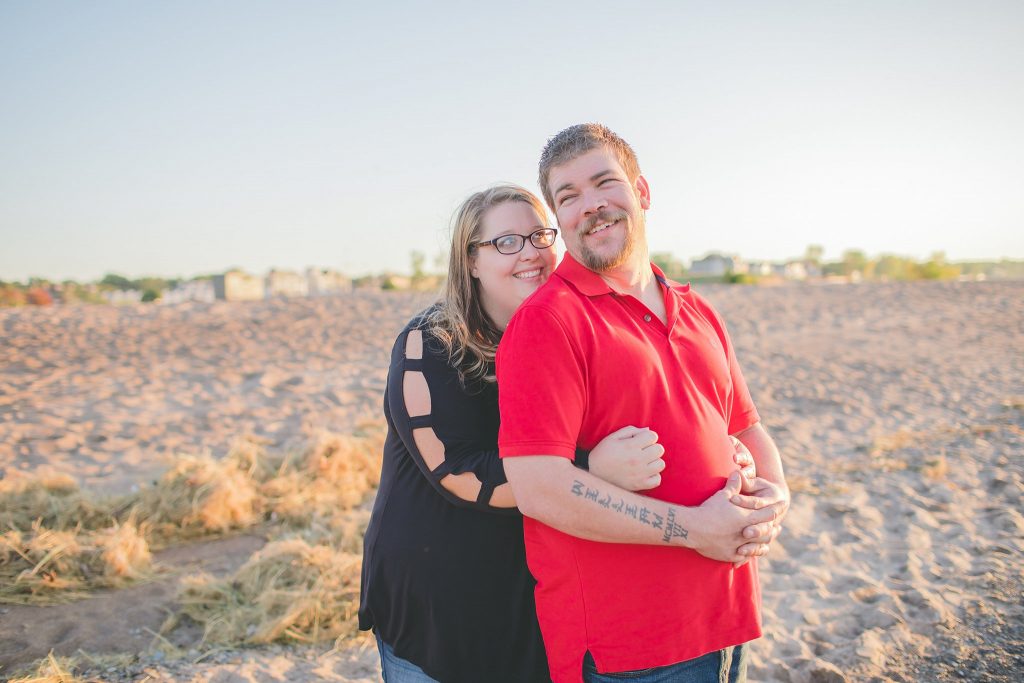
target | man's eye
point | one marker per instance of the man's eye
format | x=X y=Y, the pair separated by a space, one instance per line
x=566 y=198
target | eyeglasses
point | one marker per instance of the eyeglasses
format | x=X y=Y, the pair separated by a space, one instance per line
x=513 y=244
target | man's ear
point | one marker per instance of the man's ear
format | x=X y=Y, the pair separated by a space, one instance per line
x=643 y=191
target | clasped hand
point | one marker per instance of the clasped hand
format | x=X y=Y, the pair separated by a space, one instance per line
x=760 y=494
x=741 y=520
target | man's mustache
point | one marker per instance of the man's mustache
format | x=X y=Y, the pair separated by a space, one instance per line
x=602 y=217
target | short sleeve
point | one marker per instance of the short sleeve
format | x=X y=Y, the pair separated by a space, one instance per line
x=542 y=397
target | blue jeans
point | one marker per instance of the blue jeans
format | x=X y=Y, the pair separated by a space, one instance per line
x=724 y=666
x=394 y=669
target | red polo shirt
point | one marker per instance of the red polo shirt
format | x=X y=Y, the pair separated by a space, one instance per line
x=577 y=362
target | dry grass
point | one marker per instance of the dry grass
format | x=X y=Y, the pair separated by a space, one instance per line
x=58 y=542
x=289 y=591
x=50 y=670
x=334 y=473
x=199 y=496
x=888 y=443
x=45 y=566
x=935 y=468
x=55 y=501
x=303 y=587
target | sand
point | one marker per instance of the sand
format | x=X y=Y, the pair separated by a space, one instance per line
x=898 y=408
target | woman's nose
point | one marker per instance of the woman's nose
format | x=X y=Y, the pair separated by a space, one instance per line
x=528 y=252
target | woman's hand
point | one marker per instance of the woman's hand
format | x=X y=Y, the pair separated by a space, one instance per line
x=745 y=460
x=630 y=458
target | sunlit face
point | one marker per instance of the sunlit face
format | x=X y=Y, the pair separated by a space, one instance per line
x=600 y=212
x=507 y=279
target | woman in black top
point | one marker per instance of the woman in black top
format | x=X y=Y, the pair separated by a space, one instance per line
x=445 y=585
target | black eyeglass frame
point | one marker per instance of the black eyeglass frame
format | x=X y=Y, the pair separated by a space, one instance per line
x=522 y=241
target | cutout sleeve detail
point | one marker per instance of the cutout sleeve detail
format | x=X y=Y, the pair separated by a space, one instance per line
x=450 y=433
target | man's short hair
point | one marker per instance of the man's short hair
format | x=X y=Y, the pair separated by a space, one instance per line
x=576 y=141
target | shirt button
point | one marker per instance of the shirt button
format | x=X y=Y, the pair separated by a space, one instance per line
x=647 y=318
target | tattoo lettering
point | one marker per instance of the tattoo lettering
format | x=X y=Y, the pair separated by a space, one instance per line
x=673 y=529
x=643 y=516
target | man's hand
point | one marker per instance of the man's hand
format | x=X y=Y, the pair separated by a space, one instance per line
x=720 y=524
x=758 y=537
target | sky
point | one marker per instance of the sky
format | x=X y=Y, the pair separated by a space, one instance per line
x=180 y=138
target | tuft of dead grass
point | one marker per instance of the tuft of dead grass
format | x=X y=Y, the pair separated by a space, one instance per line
x=199 y=495
x=935 y=468
x=289 y=591
x=334 y=473
x=60 y=542
x=50 y=670
x=54 y=500
x=888 y=443
x=46 y=566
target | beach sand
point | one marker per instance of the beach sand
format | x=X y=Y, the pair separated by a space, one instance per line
x=898 y=409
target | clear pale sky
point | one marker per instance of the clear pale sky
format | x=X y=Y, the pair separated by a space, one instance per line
x=177 y=138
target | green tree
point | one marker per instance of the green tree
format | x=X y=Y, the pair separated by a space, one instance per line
x=938 y=269
x=854 y=260
x=115 y=281
x=892 y=267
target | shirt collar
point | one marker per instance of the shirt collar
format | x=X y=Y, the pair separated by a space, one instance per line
x=590 y=283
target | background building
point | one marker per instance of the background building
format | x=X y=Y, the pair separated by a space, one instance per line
x=235 y=285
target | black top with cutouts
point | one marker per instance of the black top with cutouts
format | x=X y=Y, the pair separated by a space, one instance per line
x=444 y=578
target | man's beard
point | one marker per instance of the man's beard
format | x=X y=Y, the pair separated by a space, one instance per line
x=600 y=263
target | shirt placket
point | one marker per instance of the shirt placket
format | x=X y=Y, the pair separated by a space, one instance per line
x=637 y=309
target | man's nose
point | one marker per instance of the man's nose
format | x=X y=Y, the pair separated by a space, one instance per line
x=593 y=202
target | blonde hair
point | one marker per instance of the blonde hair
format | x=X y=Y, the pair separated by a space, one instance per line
x=459 y=320
x=576 y=141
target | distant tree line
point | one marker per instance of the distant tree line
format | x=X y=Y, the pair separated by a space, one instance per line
x=892 y=267
x=42 y=292
x=853 y=263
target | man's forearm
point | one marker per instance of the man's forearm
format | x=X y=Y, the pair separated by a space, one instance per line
x=550 y=489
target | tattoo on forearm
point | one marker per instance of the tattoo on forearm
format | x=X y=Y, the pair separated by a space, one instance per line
x=671 y=528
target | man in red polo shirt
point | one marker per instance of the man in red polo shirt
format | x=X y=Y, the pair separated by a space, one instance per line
x=629 y=583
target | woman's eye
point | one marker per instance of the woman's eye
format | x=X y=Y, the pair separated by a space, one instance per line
x=507 y=242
